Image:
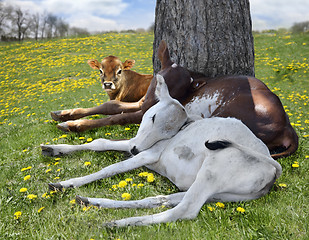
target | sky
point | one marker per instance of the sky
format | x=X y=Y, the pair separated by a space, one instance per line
x=107 y=15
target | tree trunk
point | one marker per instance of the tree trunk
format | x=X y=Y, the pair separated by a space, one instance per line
x=207 y=36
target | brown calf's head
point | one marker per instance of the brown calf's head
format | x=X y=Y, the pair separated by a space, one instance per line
x=111 y=71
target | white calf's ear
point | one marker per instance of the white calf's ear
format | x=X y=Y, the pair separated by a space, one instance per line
x=161 y=88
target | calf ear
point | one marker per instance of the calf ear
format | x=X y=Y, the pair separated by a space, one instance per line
x=164 y=55
x=161 y=91
x=94 y=64
x=128 y=64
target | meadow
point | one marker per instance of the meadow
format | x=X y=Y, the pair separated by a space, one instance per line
x=39 y=77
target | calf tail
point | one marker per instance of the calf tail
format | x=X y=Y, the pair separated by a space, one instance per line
x=222 y=144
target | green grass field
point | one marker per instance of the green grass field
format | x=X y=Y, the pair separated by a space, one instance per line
x=39 y=77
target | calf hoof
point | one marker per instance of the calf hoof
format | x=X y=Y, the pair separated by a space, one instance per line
x=56 y=115
x=81 y=200
x=64 y=127
x=47 y=151
x=55 y=187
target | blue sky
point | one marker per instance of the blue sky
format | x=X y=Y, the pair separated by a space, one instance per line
x=105 y=15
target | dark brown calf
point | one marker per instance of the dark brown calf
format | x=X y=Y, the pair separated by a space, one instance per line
x=120 y=83
x=242 y=97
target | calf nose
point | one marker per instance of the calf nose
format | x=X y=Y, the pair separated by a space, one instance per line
x=108 y=85
x=134 y=151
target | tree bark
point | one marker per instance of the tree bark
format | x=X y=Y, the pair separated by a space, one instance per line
x=207 y=36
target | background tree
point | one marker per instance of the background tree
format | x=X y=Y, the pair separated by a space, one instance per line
x=300 y=27
x=207 y=36
x=21 y=22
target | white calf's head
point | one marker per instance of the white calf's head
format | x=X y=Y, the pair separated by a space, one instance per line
x=161 y=121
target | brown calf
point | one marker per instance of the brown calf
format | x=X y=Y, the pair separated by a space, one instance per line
x=119 y=82
x=242 y=97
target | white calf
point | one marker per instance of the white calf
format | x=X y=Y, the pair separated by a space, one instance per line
x=212 y=159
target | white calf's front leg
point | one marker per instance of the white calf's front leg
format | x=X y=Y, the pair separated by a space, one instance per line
x=151 y=202
x=143 y=158
x=188 y=208
x=98 y=145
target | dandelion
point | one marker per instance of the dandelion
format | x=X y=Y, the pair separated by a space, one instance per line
x=126 y=196
x=140 y=185
x=240 y=209
x=89 y=139
x=128 y=179
x=26 y=168
x=57 y=159
x=122 y=184
x=73 y=201
x=127 y=129
x=48 y=170
x=81 y=138
x=220 y=204
x=143 y=174
x=63 y=136
x=295 y=165
x=27 y=177
x=40 y=210
x=282 y=185
x=211 y=209
x=25 y=150
x=150 y=178
x=17 y=215
x=32 y=196
x=87 y=164
x=23 y=190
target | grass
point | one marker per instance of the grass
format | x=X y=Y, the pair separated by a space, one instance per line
x=39 y=77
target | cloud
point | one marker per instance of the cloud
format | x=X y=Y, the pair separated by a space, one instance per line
x=278 y=13
x=93 y=7
x=94 y=23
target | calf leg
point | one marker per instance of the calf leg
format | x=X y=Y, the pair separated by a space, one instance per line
x=236 y=178
x=108 y=108
x=86 y=124
x=98 y=145
x=143 y=158
x=151 y=202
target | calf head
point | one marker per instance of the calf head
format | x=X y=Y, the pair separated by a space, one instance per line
x=161 y=121
x=111 y=71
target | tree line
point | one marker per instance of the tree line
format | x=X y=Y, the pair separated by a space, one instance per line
x=18 y=24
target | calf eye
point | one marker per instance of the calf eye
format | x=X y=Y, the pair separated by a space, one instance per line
x=101 y=71
x=119 y=71
x=153 y=118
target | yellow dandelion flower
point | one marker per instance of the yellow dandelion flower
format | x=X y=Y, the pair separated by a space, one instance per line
x=25 y=150
x=57 y=159
x=220 y=205
x=127 y=129
x=26 y=168
x=87 y=163
x=126 y=196
x=140 y=185
x=40 y=210
x=143 y=174
x=27 y=177
x=89 y=139
x=150 y=178
x=73 y=201
x=81 y=138
x=32 y=196
x=295 y=165
x=122 y=184
x=48 y=170
x=23 y=190
x=210 y=208
x=283 y=185
x=128 y=179
x=240 y=209
x=17 y=215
